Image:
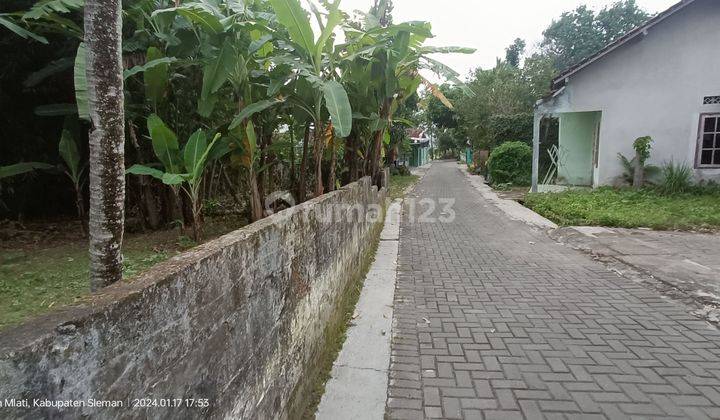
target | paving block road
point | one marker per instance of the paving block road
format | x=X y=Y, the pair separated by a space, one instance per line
x=493 y=319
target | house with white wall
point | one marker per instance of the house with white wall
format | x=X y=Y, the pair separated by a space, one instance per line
x=661 y=79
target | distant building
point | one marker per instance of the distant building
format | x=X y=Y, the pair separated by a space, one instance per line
x=661 y=79
x=420 y=144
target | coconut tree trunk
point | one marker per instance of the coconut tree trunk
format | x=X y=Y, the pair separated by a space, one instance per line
x=103 y=27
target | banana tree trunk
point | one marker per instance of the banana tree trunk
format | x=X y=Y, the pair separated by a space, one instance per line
x=302 y=179
x=374 y=164
x=80 y=208
x=256 y=207
x=293 y=177
x=378 y=142
x=103 y=28
x=319 y=149
x=333 y=163
x=148 y=205
x=351 y=158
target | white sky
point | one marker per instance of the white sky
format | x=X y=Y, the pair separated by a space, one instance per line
x=488 y=25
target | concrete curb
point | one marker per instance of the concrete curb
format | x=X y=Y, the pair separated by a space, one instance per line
x=359 y=379
x=512 y=209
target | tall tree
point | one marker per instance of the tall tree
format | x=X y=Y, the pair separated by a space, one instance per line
x=514 y=52
x=103 y=38
x=581 y=33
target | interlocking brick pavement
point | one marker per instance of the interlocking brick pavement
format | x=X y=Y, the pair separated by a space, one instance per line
x=495 y=320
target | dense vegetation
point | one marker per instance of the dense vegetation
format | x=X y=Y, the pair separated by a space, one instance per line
x=193 y=108
x=222 y=99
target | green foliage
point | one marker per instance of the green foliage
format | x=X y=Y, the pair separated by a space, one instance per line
x=511 y=162
x=504 y=128
x=81 y=89
x=165 y=144
x=581 y=33
x=22 y=168
x=500 y=93
x=643 y=147
x=156 y=77
x=514 y=52
x=629 y=209
x=677 y=178
x=650 y=171
x=292 y=16
x=70 y=153
x=244 y=69
x=338 y=105
x=45 y=8
x=183 y=169
x=9 y=24
x=439 y=114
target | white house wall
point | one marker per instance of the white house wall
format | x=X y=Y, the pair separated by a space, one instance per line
x=655 y=86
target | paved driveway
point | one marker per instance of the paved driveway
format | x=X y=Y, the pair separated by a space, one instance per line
x=495 y=320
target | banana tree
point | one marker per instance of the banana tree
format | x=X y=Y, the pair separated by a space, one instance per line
x=182 y=169
x=74 y=170
x=394 y=55
x=235 y=44
x=313 y=60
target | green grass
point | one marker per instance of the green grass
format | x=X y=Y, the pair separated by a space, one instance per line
x=629 y=209
x=36 y=279
x=398 y=185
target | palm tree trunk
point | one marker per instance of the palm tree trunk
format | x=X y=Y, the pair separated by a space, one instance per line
x=103 y=28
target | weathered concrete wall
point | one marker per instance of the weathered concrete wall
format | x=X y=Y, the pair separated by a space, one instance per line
x=236 y=321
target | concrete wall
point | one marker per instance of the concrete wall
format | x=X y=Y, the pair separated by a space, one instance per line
x=238 y=321
x=577 y=134
x=653 y=86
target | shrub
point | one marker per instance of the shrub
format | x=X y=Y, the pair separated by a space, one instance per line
x=677 y=178
x=511 y=162
x=650 y=171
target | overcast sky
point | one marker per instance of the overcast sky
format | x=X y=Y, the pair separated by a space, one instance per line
x=488 y=25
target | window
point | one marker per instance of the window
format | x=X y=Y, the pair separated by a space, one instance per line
x=709 y=141
x=711 y=100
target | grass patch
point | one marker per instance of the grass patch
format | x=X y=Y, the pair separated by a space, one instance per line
x=629 y=209
x=36 y=279
x=399 y=184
